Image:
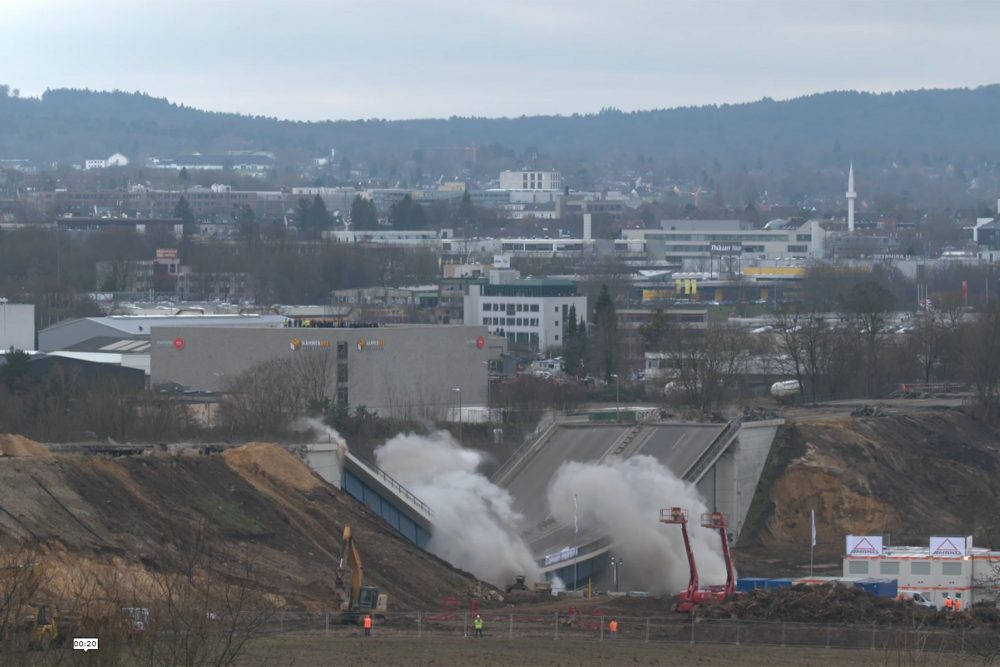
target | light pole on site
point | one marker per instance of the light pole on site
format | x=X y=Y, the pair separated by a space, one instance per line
x=618 y=405
x=458 y=390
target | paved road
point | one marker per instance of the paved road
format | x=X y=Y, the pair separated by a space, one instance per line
x=530 y=484
x=678 y=446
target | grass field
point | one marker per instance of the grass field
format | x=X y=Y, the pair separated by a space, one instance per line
x=310 y=651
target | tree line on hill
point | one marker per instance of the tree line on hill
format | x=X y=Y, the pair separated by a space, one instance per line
x=944 y=141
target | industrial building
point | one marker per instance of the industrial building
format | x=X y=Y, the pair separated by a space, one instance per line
x=407 y=372
x=949 y=566
x=530 y=313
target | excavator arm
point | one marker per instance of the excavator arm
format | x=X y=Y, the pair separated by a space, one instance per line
x=349 y=550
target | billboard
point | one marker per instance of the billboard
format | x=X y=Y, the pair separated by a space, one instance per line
x=950 y=547
x=864 y=545
x=726 y=248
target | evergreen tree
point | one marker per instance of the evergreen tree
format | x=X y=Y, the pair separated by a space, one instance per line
x=466 y=212
x=183 y=212
x=656 y=332
x=247 y=223
x=407 y=214
x=574 y=344
x=319 y=217
x=302 y=216
x=571 y=351
x=363 y=215
x=605 y=335
x=16 y=369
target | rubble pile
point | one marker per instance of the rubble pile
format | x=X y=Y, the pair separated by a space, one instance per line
x=840 y=604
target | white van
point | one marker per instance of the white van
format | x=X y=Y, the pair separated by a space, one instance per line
x=918 y=599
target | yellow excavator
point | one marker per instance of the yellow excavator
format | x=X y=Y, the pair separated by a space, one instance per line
x=360 y=600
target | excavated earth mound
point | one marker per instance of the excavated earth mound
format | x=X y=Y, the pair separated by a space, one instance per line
x=145 y=514
x=19 y=446
x=908 y=475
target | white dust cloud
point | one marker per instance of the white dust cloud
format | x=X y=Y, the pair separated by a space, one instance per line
x=475 y=527
x=622 y=498
x=320 y=433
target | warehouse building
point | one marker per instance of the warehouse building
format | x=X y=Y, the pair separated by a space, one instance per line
x=948 y=566
x=407 y=371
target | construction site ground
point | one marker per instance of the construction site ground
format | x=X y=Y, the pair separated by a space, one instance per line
x=319 y=651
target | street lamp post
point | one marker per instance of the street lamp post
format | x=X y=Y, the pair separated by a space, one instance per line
x=618 y=406
x=458 y=390
x=3 y=305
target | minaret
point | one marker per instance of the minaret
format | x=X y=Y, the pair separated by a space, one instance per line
x=851 y=195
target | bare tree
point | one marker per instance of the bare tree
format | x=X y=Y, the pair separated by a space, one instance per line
x=982 y=360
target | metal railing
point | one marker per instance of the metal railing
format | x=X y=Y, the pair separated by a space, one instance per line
x=545 y=426
x=392 y=484
x=713 y=451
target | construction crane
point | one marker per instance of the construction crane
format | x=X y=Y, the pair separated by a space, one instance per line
x=361 y=600
x=694 y=595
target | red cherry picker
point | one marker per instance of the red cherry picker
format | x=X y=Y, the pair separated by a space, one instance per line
x=693 y=595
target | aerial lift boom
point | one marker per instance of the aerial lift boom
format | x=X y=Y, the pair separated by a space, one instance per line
x=694 y=595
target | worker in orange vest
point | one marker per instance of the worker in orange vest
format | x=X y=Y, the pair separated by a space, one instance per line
x=949 y=604
x=613 y=626
x=368 y=625
x=958 y=604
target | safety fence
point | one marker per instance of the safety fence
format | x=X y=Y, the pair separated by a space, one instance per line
x=595 y=626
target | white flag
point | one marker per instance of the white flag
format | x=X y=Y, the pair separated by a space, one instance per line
x=576 y=518
x=814 y=527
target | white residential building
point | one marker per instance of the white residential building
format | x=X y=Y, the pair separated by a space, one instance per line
x=530 y=313
x=95 y=164
x=530 y=180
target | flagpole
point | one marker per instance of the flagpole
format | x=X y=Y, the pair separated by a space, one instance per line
x=812 y=542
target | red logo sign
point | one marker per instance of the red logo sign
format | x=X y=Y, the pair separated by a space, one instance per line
x=481 y=342
x=179 y=343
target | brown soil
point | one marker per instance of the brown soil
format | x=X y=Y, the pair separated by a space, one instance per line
x=907 y=474
x=846 y=605
x=19 y=446
x=139 y=515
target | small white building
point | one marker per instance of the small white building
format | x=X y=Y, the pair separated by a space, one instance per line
x=948 y=566
x=529 y=312
x=17 y=326
x=95 y=164
x=117 y=160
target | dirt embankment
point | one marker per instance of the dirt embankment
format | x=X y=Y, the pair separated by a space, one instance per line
x=909 y=475
x=143 y=514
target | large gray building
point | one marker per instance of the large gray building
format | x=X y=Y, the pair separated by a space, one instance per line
x=409 y=371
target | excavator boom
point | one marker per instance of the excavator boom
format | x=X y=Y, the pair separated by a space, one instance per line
x=362 y=599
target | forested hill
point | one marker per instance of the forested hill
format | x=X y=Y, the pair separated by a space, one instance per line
x=960 y=127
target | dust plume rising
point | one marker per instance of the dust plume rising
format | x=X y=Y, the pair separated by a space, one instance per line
x=475 y=527
x=321 y=432
x=622 y=498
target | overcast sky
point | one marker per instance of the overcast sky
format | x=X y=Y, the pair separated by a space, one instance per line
x=331 y=59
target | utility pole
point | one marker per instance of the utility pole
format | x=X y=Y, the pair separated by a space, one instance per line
x=618 y=407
